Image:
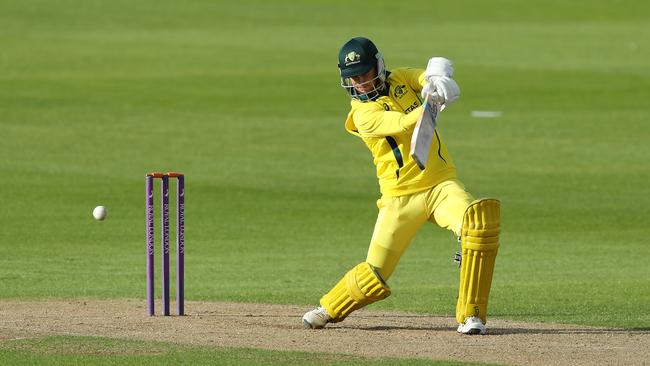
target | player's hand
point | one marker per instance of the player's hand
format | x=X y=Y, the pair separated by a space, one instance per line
x=443 y=89
x=437 y=67
x=430 y=89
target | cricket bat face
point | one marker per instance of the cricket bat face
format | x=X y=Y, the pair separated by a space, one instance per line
x=423 y=133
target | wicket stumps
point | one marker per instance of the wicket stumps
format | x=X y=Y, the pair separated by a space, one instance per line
x=180 y=240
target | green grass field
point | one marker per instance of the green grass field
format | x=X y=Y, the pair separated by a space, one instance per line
x=243 y=98
x=57 y=351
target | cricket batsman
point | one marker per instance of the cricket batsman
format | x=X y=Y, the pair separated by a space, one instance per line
x=385 y=108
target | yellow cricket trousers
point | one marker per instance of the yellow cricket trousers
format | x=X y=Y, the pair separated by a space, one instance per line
x=401 y=217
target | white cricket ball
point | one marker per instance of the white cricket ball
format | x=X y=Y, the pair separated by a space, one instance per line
x=99 y=213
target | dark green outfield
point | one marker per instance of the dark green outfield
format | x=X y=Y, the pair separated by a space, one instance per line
x=97 y=351
x=243 y=97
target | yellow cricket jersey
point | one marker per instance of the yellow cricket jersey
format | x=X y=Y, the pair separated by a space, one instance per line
x=386 y=124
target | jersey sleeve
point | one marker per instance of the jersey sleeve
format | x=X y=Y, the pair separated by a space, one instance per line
x=376 y=121
x=414 y=78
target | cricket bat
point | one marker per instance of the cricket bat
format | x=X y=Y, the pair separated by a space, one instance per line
x=425 y=128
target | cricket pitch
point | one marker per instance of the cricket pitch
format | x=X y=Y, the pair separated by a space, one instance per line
x=366 y=333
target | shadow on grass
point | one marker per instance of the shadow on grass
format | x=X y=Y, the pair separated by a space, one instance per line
x=497 y=330
x=452 y=328
x=508 y=331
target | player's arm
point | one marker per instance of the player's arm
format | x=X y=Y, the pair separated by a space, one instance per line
x=376 y=121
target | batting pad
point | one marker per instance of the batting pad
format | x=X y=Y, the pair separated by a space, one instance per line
x=359 y=287
x=479 y=246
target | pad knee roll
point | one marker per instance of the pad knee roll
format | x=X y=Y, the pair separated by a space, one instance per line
x=479 y=246
x=359 y=287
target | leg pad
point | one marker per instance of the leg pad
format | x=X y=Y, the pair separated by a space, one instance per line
x=359 y=287
x=479 y=246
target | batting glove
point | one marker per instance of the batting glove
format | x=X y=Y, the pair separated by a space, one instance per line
x=437 y=67
x=443 y=89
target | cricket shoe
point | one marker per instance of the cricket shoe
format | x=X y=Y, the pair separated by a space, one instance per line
x=472 y=325
x=316 y=319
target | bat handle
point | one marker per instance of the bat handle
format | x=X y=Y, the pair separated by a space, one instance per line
x=437 y=98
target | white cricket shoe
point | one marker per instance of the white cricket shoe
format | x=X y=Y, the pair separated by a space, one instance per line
x=472 y=325
x=316 y=318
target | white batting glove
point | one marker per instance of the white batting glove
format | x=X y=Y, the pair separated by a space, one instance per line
x=429 y=88
x=443 y=89
x=437 y=67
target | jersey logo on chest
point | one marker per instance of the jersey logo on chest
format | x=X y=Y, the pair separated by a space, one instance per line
x=399 y=91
